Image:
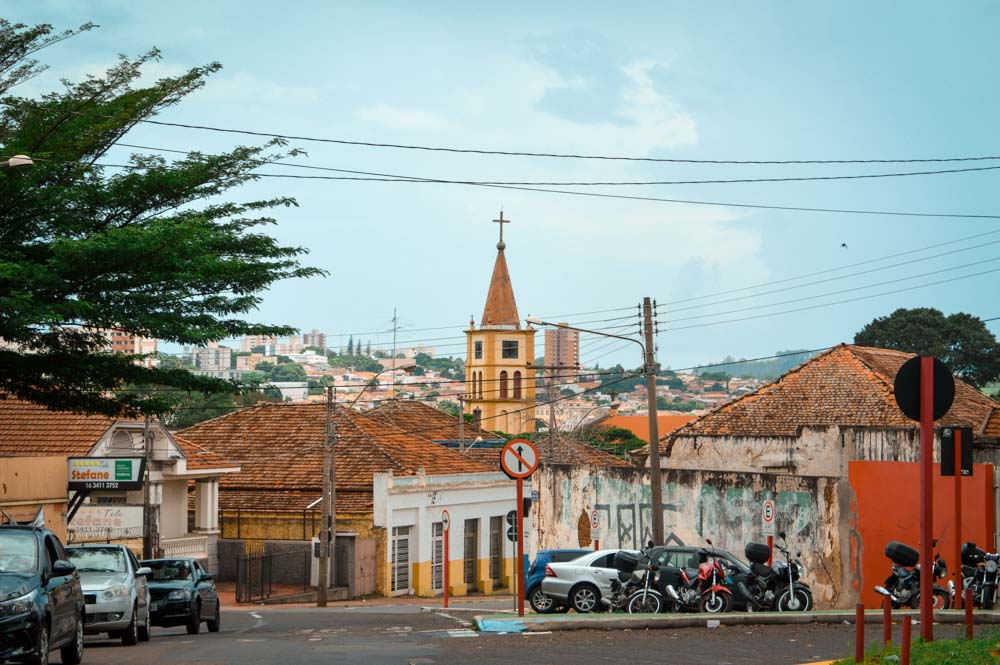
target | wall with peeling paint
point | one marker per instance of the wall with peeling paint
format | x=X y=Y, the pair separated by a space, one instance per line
x=724 y=506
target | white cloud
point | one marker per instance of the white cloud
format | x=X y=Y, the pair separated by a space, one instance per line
x=401 y=119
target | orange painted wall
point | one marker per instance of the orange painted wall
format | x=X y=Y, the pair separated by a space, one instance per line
x=888 y=508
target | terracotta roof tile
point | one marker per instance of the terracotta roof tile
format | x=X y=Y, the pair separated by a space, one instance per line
x=280 y=447
x=31 y=429
x=231 y=499
x=426 y=422
x=847 y=385
x=202 y=459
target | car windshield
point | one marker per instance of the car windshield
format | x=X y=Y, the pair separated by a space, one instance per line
x=18 y=552
x=169 y=571
x=98 y=559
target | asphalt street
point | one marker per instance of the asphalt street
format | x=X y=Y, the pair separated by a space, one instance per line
x=409 y=635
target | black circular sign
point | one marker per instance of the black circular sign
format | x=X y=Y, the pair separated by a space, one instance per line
x=907 y=388
x=512 y=517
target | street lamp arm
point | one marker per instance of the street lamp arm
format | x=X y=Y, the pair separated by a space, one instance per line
x=538 y=322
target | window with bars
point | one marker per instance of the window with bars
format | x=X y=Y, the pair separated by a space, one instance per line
x=496 y=548
x=400 y=558
x=478 y=350
x=437 y=556
x=508 y=349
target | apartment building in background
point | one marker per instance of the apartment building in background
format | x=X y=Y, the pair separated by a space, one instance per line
x=128 y=344
x=562 y=347
x=314 y=338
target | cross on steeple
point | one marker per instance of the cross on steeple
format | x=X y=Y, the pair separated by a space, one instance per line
x=501 y=222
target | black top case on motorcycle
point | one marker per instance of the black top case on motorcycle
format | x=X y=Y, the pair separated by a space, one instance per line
x=902 y=555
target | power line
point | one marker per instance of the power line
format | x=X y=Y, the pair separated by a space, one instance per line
x=838 y=302
x=829 y=270
x=825 y=295
x=394 y=177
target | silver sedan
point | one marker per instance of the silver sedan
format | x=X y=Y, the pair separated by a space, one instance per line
x=115 y=591
x=582 y=582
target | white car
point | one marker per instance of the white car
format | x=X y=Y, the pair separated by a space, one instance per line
x=115 y=591
x=582 y=582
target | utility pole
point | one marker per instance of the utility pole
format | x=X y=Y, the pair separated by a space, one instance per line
x=656 y=485
x=328 y=523
x=147 y=508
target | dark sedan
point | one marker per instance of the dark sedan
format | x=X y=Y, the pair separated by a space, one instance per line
x=182 y=593
x=41 y=603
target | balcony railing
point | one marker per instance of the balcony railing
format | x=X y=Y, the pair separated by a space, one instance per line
x=189 y=546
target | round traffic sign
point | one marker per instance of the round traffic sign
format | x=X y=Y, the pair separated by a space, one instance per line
x=906 y=388
x=511 y=517
x=512 y=533
x=767 y=512
x=519 y=459
x=446 y=519
x=595 y=519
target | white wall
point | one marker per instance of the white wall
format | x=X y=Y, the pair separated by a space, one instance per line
x=173 y=511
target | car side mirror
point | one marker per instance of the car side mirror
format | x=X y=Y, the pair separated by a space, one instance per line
x=781 y=535
x=62 y=568
x=206 y=577
x=708 y=541
x=145 y=571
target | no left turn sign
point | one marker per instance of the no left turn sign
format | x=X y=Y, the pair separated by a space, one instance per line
x=446 y=519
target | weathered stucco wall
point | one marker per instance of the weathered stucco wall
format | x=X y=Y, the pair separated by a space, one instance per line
x=816 y=512
x=816 y=451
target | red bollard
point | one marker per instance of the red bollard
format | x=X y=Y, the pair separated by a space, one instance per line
x=904 y=651
x=859 y=633
x=886 y=620
x=968 y=614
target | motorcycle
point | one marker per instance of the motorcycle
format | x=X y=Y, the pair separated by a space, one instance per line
x=981 y=573
x=774 y=588
x=902 y=586
x=635 y=589
x=703 y=591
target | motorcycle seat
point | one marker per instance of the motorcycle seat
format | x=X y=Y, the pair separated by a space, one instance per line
x=760 y=569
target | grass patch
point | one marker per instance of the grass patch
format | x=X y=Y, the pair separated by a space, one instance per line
x=984 y=650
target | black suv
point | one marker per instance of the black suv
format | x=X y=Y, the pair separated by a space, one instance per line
x=41 y=604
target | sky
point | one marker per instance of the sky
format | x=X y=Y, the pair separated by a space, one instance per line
x=668 y=80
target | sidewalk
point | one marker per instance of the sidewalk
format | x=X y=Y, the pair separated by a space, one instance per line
x=227 y=597
x=536 y=623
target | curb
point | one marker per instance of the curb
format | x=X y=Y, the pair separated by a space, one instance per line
x=533 y=624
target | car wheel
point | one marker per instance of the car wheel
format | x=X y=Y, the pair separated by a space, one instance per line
x=144 y=632
x=130 y=636
x=72 y=653
x=541 y=603
x=194 y=621
x=216 y=623
x=42 y=644
x=585 y=598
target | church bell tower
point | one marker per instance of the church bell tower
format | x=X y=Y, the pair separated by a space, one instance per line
x=499 y=372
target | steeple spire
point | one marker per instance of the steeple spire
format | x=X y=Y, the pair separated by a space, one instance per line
x=501 y=308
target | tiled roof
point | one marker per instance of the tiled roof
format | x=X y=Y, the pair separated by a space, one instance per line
x=31 y=429
x=847 y=385
x=564 y=450
x=500 y=309
x=639 y=425
x=232 y=499
x=202 y=459
x=280 y=447
x=426 y=422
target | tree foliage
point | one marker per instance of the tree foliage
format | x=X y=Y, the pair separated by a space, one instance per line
x=151 y=249
x=961 y=341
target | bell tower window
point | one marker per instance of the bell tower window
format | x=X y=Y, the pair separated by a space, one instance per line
x=508 y=349
x=503 y=385
x=478 y=350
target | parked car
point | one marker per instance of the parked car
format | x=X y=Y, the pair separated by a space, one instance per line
x=41 y=602
x=539 y=601
x=689 y=558
x=183 y=594
x=582 y=582
x=115 y=590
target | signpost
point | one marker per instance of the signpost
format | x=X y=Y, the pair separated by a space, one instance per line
x=106 y=473
x=519 y=459
x=956 y=454
x=924 y=389
x=767 y=513
x=446 y=523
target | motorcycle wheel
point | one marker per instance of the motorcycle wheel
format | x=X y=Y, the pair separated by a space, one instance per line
x=651 y=604
x=942 y=601
x=989 y=597
x=784 y=601
x=722 y=602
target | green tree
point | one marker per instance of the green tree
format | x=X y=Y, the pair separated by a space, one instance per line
x=288 y=372
x=350 y=346
x=662 y=403
x=368 y=349
x=675 y=383
x=314 y=349
x=152 y=249
x=961 y=341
